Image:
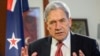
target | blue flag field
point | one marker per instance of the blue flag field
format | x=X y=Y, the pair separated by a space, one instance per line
x=14 y=28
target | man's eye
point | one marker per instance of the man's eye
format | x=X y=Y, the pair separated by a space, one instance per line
x=62 y=20
x=52 y=22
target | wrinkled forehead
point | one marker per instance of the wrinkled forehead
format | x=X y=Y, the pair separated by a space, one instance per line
x=55 y=5
x=56 y=14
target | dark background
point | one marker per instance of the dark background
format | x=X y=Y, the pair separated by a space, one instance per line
x=2 y=26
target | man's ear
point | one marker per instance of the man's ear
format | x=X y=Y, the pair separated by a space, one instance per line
x=46 y=26
x=70 y=22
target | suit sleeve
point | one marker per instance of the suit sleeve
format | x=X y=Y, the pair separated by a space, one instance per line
x=33 y=48
x=95 y=50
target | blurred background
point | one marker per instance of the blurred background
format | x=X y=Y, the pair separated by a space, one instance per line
x=80 y=9
x=87 y=11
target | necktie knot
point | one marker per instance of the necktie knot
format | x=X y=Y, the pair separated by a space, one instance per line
x=59 y=44
x=59 y=51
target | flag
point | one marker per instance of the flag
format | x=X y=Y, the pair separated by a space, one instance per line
x=14 y=28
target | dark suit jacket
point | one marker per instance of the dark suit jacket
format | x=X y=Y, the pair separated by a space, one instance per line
x=87 y=45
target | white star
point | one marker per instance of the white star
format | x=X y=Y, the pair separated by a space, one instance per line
x=13 y=41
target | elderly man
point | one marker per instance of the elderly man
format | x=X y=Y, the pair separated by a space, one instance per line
x=61 y=42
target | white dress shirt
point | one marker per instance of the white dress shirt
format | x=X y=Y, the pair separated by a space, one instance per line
x=65 y=48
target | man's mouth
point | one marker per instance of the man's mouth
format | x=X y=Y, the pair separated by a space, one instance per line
x=59 y=33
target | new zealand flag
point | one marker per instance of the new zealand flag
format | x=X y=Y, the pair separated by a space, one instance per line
x=14 y=28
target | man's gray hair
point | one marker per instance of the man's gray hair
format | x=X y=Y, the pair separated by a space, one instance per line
x=55 y=5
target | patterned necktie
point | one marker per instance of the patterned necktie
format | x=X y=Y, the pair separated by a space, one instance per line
x=59 y=51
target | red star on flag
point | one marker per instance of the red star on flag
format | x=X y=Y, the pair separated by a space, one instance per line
x=13 y=41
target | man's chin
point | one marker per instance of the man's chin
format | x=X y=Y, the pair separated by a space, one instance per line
x=60 y=38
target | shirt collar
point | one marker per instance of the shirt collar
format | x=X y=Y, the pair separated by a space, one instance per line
x=66 y=41
x=54 y=41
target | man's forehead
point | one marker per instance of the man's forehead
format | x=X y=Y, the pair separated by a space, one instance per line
x=56 y=19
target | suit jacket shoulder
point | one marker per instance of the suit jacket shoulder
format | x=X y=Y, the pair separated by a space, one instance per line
x=41 y=46
x=84 y=43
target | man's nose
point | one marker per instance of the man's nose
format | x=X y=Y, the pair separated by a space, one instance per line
x=58 y=26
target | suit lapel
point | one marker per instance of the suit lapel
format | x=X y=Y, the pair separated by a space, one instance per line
x=46 y=47
x=74 y=44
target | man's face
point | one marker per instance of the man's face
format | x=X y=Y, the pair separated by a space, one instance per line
x=58 y=24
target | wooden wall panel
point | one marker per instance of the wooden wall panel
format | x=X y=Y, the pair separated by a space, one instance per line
x=2 y=26
x=45 y=2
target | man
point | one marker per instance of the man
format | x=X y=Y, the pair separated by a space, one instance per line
x=62 y=41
